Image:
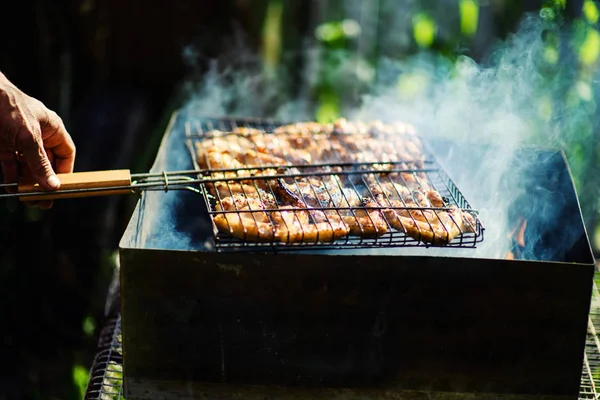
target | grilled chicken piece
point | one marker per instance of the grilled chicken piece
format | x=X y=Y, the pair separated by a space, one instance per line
x=467 y=221
x=330 y=222
x=247 y=131
x=363 y=222
x=304 y=127
x=217 y=159
x=435 y=198
x=442 y=231
x=289 y=197
x=228 y=189
x=326 y=231
x=350 y=142
x=289 y=225
x=224 y=142
x=390 y=194
x=427 y=232
x=257 y=159
x=429 y=226
x=325 y=193
x=290 y=147
x=436 y=227
x=344 y=127
x=244 y=224
x=295 y=156
x=383 y=142
x=366 y=223
x=247 y=157
x=298 y=148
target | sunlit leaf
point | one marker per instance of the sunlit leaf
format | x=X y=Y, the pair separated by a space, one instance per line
x=272 y=33
x=558 y=4
x=590 y=49
x=89 y=325
x=424 y=30
x=469 y=16
x=590 y=10
x=81 y=376
x=329 y=32
x=329 y=108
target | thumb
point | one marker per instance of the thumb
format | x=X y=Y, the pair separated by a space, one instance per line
x=40 y=167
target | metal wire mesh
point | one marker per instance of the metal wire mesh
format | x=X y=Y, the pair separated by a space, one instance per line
x=590 y=377
x=276 y=186
x=106 y=374
x=106 y=377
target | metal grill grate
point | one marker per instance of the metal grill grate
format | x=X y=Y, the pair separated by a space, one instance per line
x=106 y=377
x=106 y=374
x=590 y=377
x=380 y=194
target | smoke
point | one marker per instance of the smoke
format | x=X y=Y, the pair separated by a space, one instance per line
x=522 y=93
x=158 y=225
x=498 y=107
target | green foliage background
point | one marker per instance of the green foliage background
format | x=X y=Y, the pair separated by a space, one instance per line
x=580 y=44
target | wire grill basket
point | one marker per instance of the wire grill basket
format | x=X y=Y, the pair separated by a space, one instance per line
x=373 y=188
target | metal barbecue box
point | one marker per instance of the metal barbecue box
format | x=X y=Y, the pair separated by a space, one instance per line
x=204 y=316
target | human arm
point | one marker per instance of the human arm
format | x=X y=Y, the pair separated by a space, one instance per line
x=34 y=133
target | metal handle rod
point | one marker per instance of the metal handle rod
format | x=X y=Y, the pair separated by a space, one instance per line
x=157 y=182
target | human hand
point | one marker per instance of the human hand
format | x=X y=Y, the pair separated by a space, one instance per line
x=33 y=140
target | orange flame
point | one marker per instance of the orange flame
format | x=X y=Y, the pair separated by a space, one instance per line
x=517 y=236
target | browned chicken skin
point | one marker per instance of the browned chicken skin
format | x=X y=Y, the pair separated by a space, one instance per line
x=334 y=203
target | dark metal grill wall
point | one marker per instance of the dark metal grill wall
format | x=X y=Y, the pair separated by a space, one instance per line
x=364 y=321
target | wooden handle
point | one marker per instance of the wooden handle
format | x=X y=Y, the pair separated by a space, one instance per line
x=80 y=180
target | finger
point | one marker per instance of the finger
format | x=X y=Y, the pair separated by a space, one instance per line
x=37 y=160
x=51 y=158
x=47 y=204
x=43 y=204
x=57 y=139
